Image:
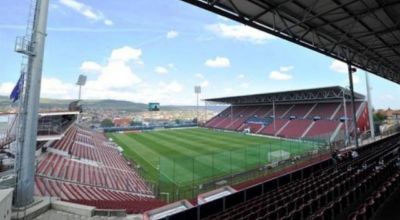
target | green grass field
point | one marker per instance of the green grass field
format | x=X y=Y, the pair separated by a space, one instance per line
x=187 y=157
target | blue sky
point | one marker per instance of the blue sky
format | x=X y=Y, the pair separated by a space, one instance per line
x=144 y=52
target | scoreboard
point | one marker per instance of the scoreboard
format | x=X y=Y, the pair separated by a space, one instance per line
x=154 y=106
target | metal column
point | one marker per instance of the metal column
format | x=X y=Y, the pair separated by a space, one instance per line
x=346 y=118
x=371 y=118
x=26 y=141
x=273 y=110
x=205 y=112
x=197 y=108
x=353 y=106
x=80 y=92
x=231 y=112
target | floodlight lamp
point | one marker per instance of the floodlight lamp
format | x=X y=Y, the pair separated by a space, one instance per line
x=81 y=80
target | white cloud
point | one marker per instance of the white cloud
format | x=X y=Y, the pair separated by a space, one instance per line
x=282 y=73
x=6 y=88
x=205 y=84
x=341 y=67
x=90 y=67
x=240 y=76
x=164 y=69
x=115 y=80
x=173 y=86
x=87 y=11
x=286 y=68
x=50 y=88
x=199 y=76
x=53 y=6
x=244 y=85
x=239 y=32
x=218 y=62
x=125 y=54
x=142 y=92
x=228 y=91
x=277 y=75
x=161 y=70
x=388 y=97
x=55 y=88
x=172 y=34
x=108 y=22
x=338 y=66
x=116 y=73
x=356 y=79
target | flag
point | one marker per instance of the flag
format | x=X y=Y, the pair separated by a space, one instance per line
x=16 y=92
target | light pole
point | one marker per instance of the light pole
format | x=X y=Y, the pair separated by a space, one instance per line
x=81 y=82
x=28 y=113
x=371 y=118
x=197 y=91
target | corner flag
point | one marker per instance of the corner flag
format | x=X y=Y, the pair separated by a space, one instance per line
x=16 y=92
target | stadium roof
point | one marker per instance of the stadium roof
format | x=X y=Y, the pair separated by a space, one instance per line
x=47 y=113
x=334 y=93
x=58 y=113
x=364 y=33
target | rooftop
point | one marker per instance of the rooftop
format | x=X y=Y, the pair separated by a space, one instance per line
x=333 y=93
x=365 y=34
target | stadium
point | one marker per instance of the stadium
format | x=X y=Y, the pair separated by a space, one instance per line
x=293 y=154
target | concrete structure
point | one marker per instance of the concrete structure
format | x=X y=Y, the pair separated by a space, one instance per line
x=77 y=209
x=167 y=210
x=5 y=203
x=215 y=194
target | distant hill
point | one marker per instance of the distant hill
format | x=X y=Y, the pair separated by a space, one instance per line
x=103 y=104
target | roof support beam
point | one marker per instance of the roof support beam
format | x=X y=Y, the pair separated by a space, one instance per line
x=353 y=106
x=360 y=15
x=319 y=15
x=323 y=34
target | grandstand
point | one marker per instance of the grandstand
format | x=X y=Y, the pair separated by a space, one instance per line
x=51 y=126
x=80 y=166
x=83 y=167
x=311 y=113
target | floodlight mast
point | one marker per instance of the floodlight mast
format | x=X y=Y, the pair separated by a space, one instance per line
x=197 y=90
x=371 y=118
x=28 y=112
x=81 y=82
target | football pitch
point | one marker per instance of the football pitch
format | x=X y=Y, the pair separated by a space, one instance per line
x=193 y=156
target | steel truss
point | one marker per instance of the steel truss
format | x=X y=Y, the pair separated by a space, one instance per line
x=364 y=33
x=335 y=93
